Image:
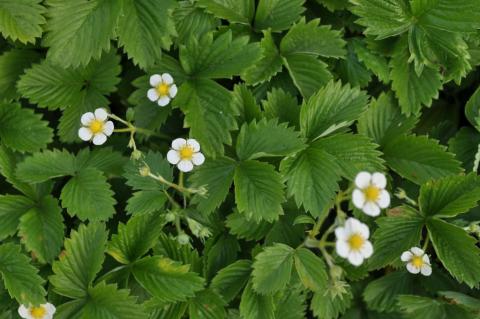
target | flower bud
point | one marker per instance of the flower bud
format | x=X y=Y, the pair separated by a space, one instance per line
x=144 y=171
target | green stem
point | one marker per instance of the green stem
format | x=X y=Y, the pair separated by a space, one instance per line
x=171 y=200
x=179 y=188
x=425 y=244
x=180 y=184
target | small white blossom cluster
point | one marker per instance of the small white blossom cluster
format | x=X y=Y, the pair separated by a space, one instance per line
x=417 y=261
x=45 y=311
x=370 y=195
x=95 y=127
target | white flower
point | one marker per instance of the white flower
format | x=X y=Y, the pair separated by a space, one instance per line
x=370 y=194
x=95 y=128
x=417 y=261
x=44 y=311
x=163 y=89
x=352 y=241
x=185 y=154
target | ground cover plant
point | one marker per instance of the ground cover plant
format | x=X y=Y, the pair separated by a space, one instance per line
x=254 y=159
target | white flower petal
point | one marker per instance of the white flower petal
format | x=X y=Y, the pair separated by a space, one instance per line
x=426 y=259
x=342 y=248
x=194 y=144
x=426 y=270
x=379 y=180
x=23 y=311
x=371 y=209
x=417 y=251
x=185 y=166
x=172 y=91
x=363 y=179
x=155 y=80
x=85 y=134
x=358 y=198
x=87 y=118
x=178 y=143
x=412 y=269
x=355 y=258
x=406 y=256
x=367 y=249
x=108 y=128
x=173 y=157
x=152 y=95
x=363 y=230
x=101 y=114
x=384 y=199
x=99 y=139
x=198 y=158
x=167 y=78
x=50 y=308
x=352 y=225
x=340 y=233
x=163 y=101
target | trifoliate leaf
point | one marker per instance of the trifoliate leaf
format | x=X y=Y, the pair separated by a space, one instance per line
x=12 y=207
x=272 y=269
x=12 y=64
x=87 y=195
x=135 y=238
x=167 y=280
x=277 y=15
x=207 y=304
x=80 y=31
x=158 y=166
x=456 y=250
x=21 y=19
x=23 y=130
x=76 y=269
x=312 y=39
x=267 y=138
x=247 y=229
x=311 y=270
x=46 y=165
x=253 y=305
x=41 y=229
x=146 y=202
x=419 y=158
x=230 y=280
x=258 y=191
x=235 y=11
x=208 y=114
x=145 y=28
x=280 y=104
x=269 y=64
x=465 y=146
x=19 y=277
x=395 y=235
x=334 y=106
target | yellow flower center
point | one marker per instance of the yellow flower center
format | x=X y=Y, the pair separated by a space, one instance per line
x=417 y=261
x=356 y=242
x=163 y=89
x=186 y=152
x=96 y=126
x=38 y=312
x=371 y=193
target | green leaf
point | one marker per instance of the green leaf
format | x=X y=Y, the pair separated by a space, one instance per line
x=167 y=280
x=413 y=91
x=104 y=159
x=418 y=307
x=395 y=235
x=280 y=104
x=311 y=270
x=312 y=39
x=218 y=58
x=308 y=73
x=8 y=167
x=334 y=106
x=208 y=114
x=207 y=304
x=465 y=147
x=216 y=176
x=245 y=104
x=87 y=195
x=267 y=138
x=76 y=269
x=258 y=191
x=46 y=165
x=269 y=64
x=12 y=207
x=158 y=166
x=41 y=229
x=290 y=304
x=219 y=252
x=230 y=280
x=135 y=238
x=12 y=64
x=331 y=304
x=383 y=120
x=80 y=31
x=450 y=196
x=352 y=70
x=472 y=109
x=192 y=21
x=235 y=11
x=420 y=159
x=23 y=130
x=146 y=202
x=312 y=178
x=352 y=152
x=461 y=299
x=142 y=26
x=376 y=63
x=456 y=250
x=21 y=19
x=253 y=305
x=19 y=277
x=277 y=15
x=247 y=229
